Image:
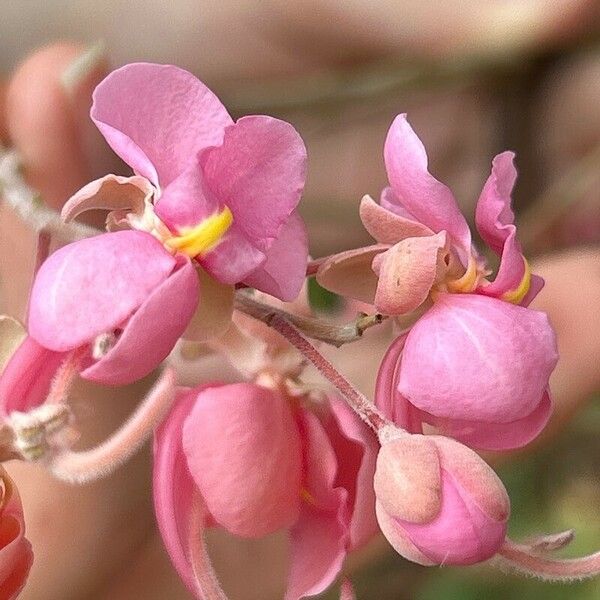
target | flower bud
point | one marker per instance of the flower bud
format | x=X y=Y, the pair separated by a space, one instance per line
x=438 y=502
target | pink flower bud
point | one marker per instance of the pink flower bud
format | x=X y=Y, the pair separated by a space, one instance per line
x=438 y=502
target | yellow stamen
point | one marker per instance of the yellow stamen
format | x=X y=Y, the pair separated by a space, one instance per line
x=516 y=296
x=204 y=236
x=307 y=496
x=468 y=281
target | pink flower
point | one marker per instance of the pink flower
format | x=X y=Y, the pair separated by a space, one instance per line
x=15 y=551
x=212 y=204
x=247 y=460
x=438 y=502
x=477 y=362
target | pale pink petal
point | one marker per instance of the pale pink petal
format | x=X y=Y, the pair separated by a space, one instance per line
x=497 y=436
x=319 y=538
x=390 y=201
x=477 y=358
x=428 y=200
x=356 y=448
x=407 y=272
x=151 y=333
x=157 y=118
x=495 y=222
x=350 y=274
x=25 y=380
x=92 y=286
x=173 y=488
x=111 y=192
x=386 y=226
x=258 y=172
x=461 y=534
x=283 y=273
x=243 y=450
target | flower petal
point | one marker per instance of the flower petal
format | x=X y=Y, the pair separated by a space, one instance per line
x=407 y=271
x=258 y=172
x=283 y=273
x=157 y=118
x=386 y=226
x=430 y=201
x=92 y=286
x=495 y=222
x=479 y=359
x=152 y=331
x=319 y=538
x=350 y=274
x=243 y=450
x=111 y=192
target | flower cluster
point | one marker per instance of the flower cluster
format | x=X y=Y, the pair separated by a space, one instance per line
x=204 y=248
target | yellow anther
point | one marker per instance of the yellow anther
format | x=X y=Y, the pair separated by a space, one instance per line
x=468 y=282
x=516 y=296
x=204 y=236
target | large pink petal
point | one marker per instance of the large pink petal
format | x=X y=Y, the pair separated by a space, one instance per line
x=428 y=200
x=283 y=273
x=26 y=378
x=497 y=436
x=258 y=172
x=386 y=226
x=111 y=192
x=243 y=450
x=495 y=222
x=320 y=537
x=350 y=274
x=407 y=272
x=356 y=449
x=92 y=286
x=157 y=118
x=152 y=331
x=479 y=359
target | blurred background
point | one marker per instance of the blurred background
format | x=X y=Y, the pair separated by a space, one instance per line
x=476 y=77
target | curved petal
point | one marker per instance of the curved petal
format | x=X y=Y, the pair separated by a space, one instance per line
x=407 y=272
x=497 y=436
x=350 y=274
x=430 y=201
x=495 y=222
x=92 y=286
x=479 y=359
x=386 y=226
x=157 y=118
x=319 y=538
x=283 y=273
x=111 y=192
x=26 y=378
x=258 y=172
x=152 y=331
x=243 y=450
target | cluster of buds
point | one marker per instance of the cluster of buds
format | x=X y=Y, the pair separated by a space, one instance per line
x=210 y=211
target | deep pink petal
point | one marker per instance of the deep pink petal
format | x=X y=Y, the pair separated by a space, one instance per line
x=111 y=192
x=386 y=226
x=350 y=274
x=283 y=273
x=477 y=358
x=495 y=222
x=157 y=118
x=25 y=380
x=152 y=331
x=319 y=538
x=428 y=200
x=258 y=172
x=92 y=286
x=243 y=450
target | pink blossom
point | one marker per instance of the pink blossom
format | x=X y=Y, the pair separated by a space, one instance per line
x=477 y=362
x=253 y=462
x=438 y=502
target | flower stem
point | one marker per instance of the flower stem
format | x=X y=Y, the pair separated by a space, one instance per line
x=357 y=401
